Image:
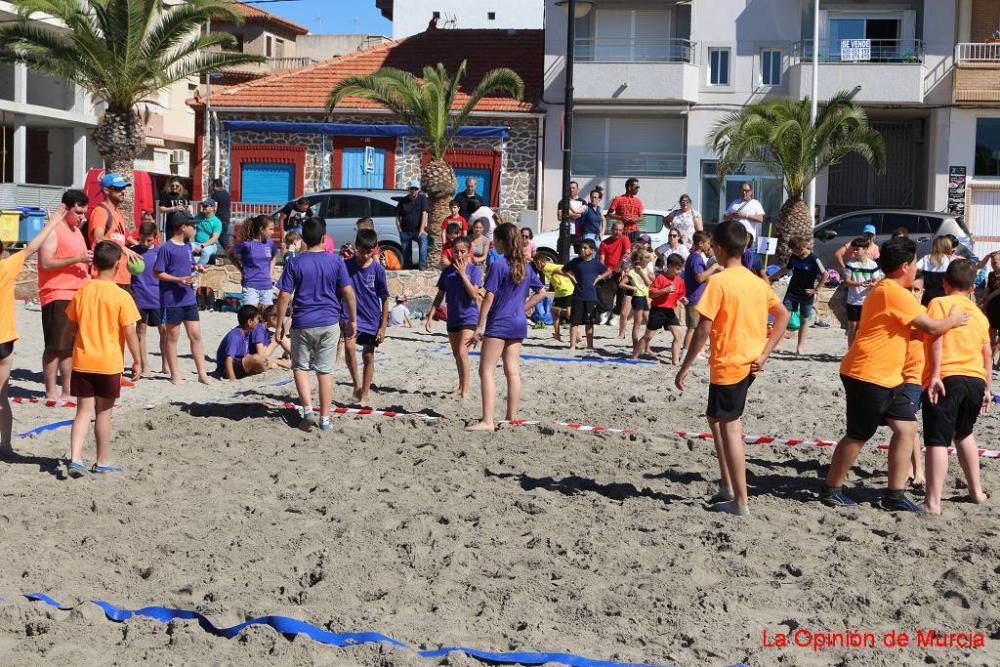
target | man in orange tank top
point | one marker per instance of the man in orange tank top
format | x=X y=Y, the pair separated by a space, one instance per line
x=107 y=223
x=63 y=268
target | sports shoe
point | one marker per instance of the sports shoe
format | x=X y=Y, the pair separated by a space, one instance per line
x=103 y=468
x=613 y=322
x=837 y=498
x=308 y=421
x=730 y=507
x=325 y=424
x=900 y=503
x=76 y=469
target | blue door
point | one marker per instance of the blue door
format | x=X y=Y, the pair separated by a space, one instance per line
x=484 y=182
x=352 y=169
x=267 y=182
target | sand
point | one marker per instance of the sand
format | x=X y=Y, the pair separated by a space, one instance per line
x=532 y=539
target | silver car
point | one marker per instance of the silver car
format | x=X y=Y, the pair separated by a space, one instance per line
x=922 y=226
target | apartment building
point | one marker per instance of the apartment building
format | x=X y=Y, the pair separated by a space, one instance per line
x=652 y=79
x=410 y=17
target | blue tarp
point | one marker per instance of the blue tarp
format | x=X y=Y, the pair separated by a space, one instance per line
x=355 y=129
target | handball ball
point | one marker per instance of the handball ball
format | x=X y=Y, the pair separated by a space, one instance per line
x=576 y=206
x=136 y=266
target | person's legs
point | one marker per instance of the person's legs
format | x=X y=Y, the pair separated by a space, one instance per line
x=172 y=334
x=406 y=241
x=102 y=428
x=303 y=389
x=641 y=346
x=368 y=358
x=324 y=382
x=636 y=332
x=968 y=457
x=937 y=471
x=162 y=331
x=556 y=312
x=805 y=312
x=904 y=433
x=492 y=349
x=675 y=346
x=844 y=455
x=50 y=373
x=852 y=331
x=458 y=350
x=81 y=424
x=193 y=330
x=512 y=369
x=207 y=253
x=735 y=460
x=626 y=312
x=254 y=364
x=351 y=360
x=574 y=335
x=725 y=483
x=6 y=416
x=589 y=330
x=422 y=251
x=140 y=331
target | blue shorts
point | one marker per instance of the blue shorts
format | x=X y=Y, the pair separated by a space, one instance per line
x=171 y=315
x=804 y=304
x=914 y=392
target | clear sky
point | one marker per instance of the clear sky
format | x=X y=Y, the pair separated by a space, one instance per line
x=332 y=16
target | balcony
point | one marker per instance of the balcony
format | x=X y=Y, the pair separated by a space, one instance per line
x=629 y=165
x=977 y=72
x=635 y=70
x=883 y=71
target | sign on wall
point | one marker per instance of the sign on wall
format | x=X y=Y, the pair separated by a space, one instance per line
x=855 y=50
x=956 y=190
x=369 y=159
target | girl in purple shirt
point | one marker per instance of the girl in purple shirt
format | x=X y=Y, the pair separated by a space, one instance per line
x=255 y=257
x=503 y=321
x=459 y=283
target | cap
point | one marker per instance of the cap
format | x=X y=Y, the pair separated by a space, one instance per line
x=113 y=180
x=208 y=202
x=645 y=237
x=869 y=229
x=414 y=183
x=401 y=298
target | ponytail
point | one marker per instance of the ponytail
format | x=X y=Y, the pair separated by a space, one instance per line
x=510 y=236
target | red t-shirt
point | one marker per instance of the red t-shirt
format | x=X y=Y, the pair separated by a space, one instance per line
x=459 y=219
x=627 y=207
x=446 y=253
x=667 y=300
x=613 y=250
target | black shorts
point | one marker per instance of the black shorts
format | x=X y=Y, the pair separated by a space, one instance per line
x=461 y=327
x=56 y=331
x=584 y=312
x=915 y=393
x=151 y=317
x=870 y=406
x=238 y=370
x=640 y=303
x=955 y=414
x=853 y=313
x=6 y=349
x=563 y=302
x=727 y=401
x=171 y=315
x=661 y=318
x=127 y=287
x=365 y=339
x=101 y=385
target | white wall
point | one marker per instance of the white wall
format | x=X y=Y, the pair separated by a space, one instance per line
x=410 y=17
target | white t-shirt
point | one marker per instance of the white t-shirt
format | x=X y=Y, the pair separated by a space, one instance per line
x=666 y=250
x=925 y=265
x=486 y=213
x=861 y=271
x=398 y=315
x=751 y=207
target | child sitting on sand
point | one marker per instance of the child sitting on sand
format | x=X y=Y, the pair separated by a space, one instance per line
x=459 y=285
x=733 y=312
x=104 y=316
x=318 y=287
x=666 y=292
x=265 y=343
x=958 y=378
x=371 y=292
x=234 y=359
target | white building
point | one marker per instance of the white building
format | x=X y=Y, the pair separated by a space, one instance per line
x=410 y=17
x=651 y=80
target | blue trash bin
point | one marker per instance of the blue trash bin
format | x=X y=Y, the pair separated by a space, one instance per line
x=32 y=221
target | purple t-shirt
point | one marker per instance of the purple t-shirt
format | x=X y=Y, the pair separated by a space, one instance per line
x=370 y=292
x=314 y=279
x=178 y=261
x=235 y=344
x=693 y=265
x=260 y=334
x=145 y=286
x=506 y=318
x=255 y=258
x=462 y=308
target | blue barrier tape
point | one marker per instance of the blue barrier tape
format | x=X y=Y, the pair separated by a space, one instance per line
x=293 y=626
x=582 y=360
x=46 y=427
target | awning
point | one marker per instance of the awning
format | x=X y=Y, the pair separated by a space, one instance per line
x=155 y=142
x=355 y=129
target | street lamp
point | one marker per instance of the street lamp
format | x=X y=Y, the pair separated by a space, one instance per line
x=575 y=9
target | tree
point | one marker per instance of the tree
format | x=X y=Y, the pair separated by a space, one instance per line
x=431 y=107
x=777 y=134
x=122 y=52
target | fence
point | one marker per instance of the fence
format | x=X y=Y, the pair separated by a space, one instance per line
x=862 y=50
x=973 y=52
x=624 y=50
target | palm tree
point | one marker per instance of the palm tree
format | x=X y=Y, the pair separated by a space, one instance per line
x=431 y=107
x=777 y=134
x=122 y=52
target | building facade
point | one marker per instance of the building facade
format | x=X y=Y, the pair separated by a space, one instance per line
x=410 y=17
x=652 y=79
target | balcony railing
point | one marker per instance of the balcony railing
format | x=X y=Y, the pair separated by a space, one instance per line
x=862 y=51
x=625 y=50
x=627 y=165
x=280 y=64
x=973 y=52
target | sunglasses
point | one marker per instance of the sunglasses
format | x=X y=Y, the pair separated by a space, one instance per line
x=685 y=201
x=747 y=191
x=675 y=236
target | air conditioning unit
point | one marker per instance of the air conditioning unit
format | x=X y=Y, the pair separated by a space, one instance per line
x=178 y=156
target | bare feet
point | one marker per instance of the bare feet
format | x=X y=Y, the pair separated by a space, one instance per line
x=557 y=337
x=356 y=395
x=204 y=379
x=917 y=482
x=482 y=426
x=177 y=381
x=933 y=507
x=459 y=394
x=572 y=348
x=979 y=499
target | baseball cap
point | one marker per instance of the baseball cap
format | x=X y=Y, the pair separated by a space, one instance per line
x=869 y=229
x=113 y=180
x=401 y=299
x=414 y=183
x=645 y=237
x=208 y=202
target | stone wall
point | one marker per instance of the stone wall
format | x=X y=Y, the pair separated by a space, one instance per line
x=518 y=167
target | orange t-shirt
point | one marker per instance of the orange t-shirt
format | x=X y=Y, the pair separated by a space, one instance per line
x=62 y=284
x=101 y=310
x=117 y=233
x=879 y=349
x=9 y=270
x=913 y=367
x=962 y=347
x=737 y=302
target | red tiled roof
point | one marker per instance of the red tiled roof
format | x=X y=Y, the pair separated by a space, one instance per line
x=256 y=15
x=309 y=87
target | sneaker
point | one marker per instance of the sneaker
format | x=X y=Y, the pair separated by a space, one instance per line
x=721 y=496
x=837 y=499
x=820 y=324
x=730 y=507
x=900 y=503
x=76 y=469
x=325 y=424
x=103 y=468
x=613 y=322
x=308 y=421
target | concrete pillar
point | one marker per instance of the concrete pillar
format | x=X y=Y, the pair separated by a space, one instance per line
x=21 y=83
x=20 y=148
x=79 y=156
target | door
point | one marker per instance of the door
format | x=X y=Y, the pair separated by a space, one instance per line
x=484 y=181
x=984 y=214
x=37 y=164
x=353 y=174
x=267 y=182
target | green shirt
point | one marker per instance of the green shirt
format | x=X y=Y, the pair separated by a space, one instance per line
x=206 y=228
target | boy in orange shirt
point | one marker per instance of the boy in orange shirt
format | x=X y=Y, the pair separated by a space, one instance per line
x=733 y=312
x=958 y=379
x=913 y=387
x=105 y=318
x=872 y=373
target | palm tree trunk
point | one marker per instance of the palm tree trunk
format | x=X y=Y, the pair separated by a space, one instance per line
x=437 y=180
x=793 y=220
x=120 y=140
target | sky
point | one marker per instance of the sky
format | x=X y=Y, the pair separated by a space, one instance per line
x=331 y=16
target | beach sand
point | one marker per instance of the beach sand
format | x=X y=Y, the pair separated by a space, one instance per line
x=535 y=538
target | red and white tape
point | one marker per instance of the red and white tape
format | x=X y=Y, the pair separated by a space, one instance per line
x=47 y=402
x=572 y=425
x=338 y=410
x=796 y=442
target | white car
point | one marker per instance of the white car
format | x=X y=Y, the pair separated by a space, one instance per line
x=547 y=243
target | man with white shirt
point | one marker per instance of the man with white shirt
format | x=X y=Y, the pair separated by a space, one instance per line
x=747 y=211
x=490 y=220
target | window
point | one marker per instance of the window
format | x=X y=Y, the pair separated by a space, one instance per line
x=652 y=223
x=626 y=147
x=914 y=224
x=852 y=227
x=381 y=209
x=491 y=16
x=267 y=46
x=279 y=48
x=348 y=206
x=770 y=67
x=718 y=67
x=987 y=147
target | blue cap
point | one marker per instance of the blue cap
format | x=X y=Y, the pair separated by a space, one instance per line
x=869 y=229
x=414 y=183
x=113 y=180
x=208 y=202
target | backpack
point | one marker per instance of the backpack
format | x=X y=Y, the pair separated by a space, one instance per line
x=85 y=227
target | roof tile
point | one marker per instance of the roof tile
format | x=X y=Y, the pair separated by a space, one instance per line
x=256 y=15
